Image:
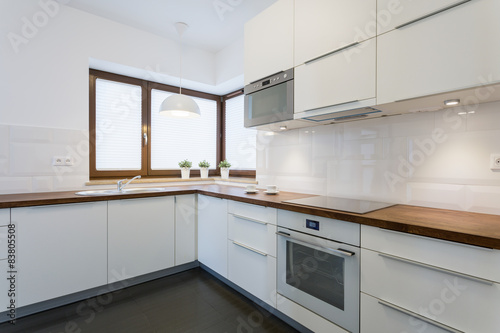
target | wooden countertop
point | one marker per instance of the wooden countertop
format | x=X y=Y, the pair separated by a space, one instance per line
x=458 y=226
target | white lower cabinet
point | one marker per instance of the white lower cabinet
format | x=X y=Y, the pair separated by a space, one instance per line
x=409 y=274
x=252 y=249
x=379 y=318
x=140 y=236
x=212 y=233
x=61 y=250
x=185 y=229
x=253 y=271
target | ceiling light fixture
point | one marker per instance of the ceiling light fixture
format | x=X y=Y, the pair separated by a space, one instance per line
x=282 y=128
x=452 y=102
x=178 y=105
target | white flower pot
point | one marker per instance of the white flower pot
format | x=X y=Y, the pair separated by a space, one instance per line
x=224 y=173
x=185 y=173
x=204 y=172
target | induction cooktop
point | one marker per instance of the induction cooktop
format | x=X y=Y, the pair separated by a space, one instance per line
x=342 y=204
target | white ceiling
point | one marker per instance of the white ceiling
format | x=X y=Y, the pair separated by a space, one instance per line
x=213 y=24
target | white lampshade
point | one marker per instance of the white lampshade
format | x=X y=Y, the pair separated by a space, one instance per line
x=180 y=106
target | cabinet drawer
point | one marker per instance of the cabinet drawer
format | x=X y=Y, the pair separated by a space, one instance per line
x=471 y=260
x=307 y=318
x=376 y=317
x=254 y=212
x=345 y=232
x=252 y=271
x=339 y=78
x=258 y=235
x=462 y=302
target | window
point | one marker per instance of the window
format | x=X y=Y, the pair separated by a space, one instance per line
x=128 y=137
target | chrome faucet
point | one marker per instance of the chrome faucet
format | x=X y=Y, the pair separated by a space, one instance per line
x=120 y=185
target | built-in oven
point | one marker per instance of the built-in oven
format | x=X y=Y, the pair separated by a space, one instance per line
x=269 y=100
x=318 y=270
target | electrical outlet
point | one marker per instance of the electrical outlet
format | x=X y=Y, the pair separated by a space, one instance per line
x=68 y=160
x=495 y=162
x=57 y=160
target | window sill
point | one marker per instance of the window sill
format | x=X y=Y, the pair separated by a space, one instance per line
x=172 y=181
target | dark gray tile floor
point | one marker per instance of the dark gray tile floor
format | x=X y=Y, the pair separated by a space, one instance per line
x=191 y=301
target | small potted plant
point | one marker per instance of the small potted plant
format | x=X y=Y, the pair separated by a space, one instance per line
x=224 y=169
x=204 y=165
x=185 y=168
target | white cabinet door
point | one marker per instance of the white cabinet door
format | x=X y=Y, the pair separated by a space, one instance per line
x=4 y=285
x=339 y=78
x=252 y=270
x=140 y=236
x=322 y=26
x=269 y=41
x=377 y=317
x=61 y=250
x=212 y=233
x=185 y=229
x=393 y=13
x=445 y=52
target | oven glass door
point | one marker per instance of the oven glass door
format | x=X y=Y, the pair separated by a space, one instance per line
x=269 y=105
x=314 y=274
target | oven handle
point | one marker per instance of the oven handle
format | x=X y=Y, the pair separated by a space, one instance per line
x=338 y=251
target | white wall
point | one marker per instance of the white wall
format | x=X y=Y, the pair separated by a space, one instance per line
x=434 y=159
x=44 y=62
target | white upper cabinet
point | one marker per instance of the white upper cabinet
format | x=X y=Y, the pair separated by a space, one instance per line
x=452 y=50
x=394 y=13
x=345 y=77
x=323 y=26
x=269 y=41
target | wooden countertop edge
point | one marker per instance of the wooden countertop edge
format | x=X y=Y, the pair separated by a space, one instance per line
x=378 y=218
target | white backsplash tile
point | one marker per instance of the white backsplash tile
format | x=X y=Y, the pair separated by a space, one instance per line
x=446 y=196
x=410 y=124
x=69 y=182
x=461 y=158
x=42 y=184
x=486 y=117
x=366 y=129
x=15 y=185
x=4 y=150
x=290 y=160
x=451 y=120
x=483 y=199
x=29 y=134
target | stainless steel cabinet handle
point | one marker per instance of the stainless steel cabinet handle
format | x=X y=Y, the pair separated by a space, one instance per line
x=332 y=52
x=249 y=219
x=145 y=136
x=431 y=14
x=439 y=269
x=338 y=251
x=250 y=248
x=422 y=318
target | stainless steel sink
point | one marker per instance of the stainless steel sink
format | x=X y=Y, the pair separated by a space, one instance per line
x=143 y=190
x=122 y=192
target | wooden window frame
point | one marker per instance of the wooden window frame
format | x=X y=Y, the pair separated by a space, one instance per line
x=146 y=88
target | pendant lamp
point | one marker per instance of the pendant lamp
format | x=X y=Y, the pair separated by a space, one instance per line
x=178 y=105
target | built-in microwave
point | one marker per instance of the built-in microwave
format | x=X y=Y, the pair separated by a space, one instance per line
x=269 y=100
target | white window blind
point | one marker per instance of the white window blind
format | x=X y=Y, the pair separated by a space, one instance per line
x=174 y=140
x=241 y=142
x=118 y=126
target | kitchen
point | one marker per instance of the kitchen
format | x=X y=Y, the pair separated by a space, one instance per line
x=437 y=159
